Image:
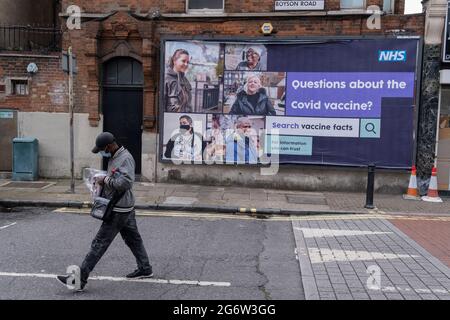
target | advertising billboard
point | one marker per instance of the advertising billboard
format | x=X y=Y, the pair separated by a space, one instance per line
x=349 y=102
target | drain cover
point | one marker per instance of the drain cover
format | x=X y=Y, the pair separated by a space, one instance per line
x=318 y=200
x=26 y=184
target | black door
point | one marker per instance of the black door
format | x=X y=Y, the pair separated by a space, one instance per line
x=123 y=118
x=123 y=104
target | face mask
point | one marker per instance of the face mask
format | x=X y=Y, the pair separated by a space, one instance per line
x=105 y=155
x=185 y=127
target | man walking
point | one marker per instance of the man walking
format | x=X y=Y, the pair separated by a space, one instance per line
x=119 y=180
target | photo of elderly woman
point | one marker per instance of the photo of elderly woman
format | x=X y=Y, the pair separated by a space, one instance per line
x=254 y=93
x=253 y=99
x=234 y=139
x=252 y=60
x=193 y=77
x=246 y=57
x=242 y=146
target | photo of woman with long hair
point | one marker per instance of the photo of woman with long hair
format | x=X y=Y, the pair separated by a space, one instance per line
x=177 y=89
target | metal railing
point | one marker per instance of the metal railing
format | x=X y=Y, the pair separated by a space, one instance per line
x=30 y=38
x=207 y=96
x=210 y=98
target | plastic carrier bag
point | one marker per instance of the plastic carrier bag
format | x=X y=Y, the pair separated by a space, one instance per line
x=90 y=177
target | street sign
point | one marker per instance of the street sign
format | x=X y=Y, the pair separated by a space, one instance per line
x=299 y=5
x=65 y=63
x=6 y=115
x=446 y=50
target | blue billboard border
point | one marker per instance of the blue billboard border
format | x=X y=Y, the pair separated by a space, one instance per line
x=267 y=40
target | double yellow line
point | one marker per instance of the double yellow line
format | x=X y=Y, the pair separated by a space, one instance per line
x=269 y=218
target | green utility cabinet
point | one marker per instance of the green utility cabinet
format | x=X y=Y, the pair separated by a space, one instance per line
x=25 y=159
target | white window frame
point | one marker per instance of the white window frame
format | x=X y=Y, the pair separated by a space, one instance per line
x=10 y=86
x=391 y=9
x=200 y=11
x=364 y=7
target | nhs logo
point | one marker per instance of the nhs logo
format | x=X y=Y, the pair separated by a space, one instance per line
x=391 y=55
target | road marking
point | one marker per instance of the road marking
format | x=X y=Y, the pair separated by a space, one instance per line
x=9 y=225
x=321 y=255
x=273 y=218
x=401 y=289
x=322 y=233
x=215 y=216
x=121 y=279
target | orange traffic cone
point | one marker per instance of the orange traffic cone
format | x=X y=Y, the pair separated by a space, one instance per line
x=412 y=193
x=432 y=195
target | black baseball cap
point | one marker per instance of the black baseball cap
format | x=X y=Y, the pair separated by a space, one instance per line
x=103 y=139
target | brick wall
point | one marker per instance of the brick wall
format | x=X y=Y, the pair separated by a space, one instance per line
x=400 y=7
x=179 y=6
x=47 y=88
x=24 y=12
x=100 y=6
x=98 y=41
x=300 y=26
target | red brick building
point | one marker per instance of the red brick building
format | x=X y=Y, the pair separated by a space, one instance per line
x=132 y=30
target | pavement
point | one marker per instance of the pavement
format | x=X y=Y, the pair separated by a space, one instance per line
x=209 y=242
x=367 y=258
x=198 y=198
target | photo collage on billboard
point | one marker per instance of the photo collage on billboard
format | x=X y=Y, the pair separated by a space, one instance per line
x=216 y=97
x=348 y=102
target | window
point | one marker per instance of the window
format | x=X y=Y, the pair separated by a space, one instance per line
x=388 y=6
x=353 y=4
x=123 y=71
x=205 y=5
x=19 y=87
x=445 y=107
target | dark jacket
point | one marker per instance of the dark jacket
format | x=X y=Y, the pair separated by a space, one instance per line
x=177 y=92
x=244 y=66
x=243 y=106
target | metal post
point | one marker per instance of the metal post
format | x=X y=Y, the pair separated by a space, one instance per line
x=196 y=86
x=72 y=181
x=370 y=187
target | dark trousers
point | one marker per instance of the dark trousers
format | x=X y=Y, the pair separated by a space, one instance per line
x=125 y=223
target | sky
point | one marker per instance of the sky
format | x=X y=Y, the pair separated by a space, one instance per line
x=413 y=6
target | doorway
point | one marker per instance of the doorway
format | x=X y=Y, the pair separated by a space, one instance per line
x=122 y=104
x=8 y=131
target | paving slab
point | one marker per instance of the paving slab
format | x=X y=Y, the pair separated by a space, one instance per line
x=405 y=280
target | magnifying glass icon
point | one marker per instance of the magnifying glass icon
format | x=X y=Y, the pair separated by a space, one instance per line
x=370 y=127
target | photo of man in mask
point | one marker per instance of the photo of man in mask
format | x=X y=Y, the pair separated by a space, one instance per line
x=185 y=144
